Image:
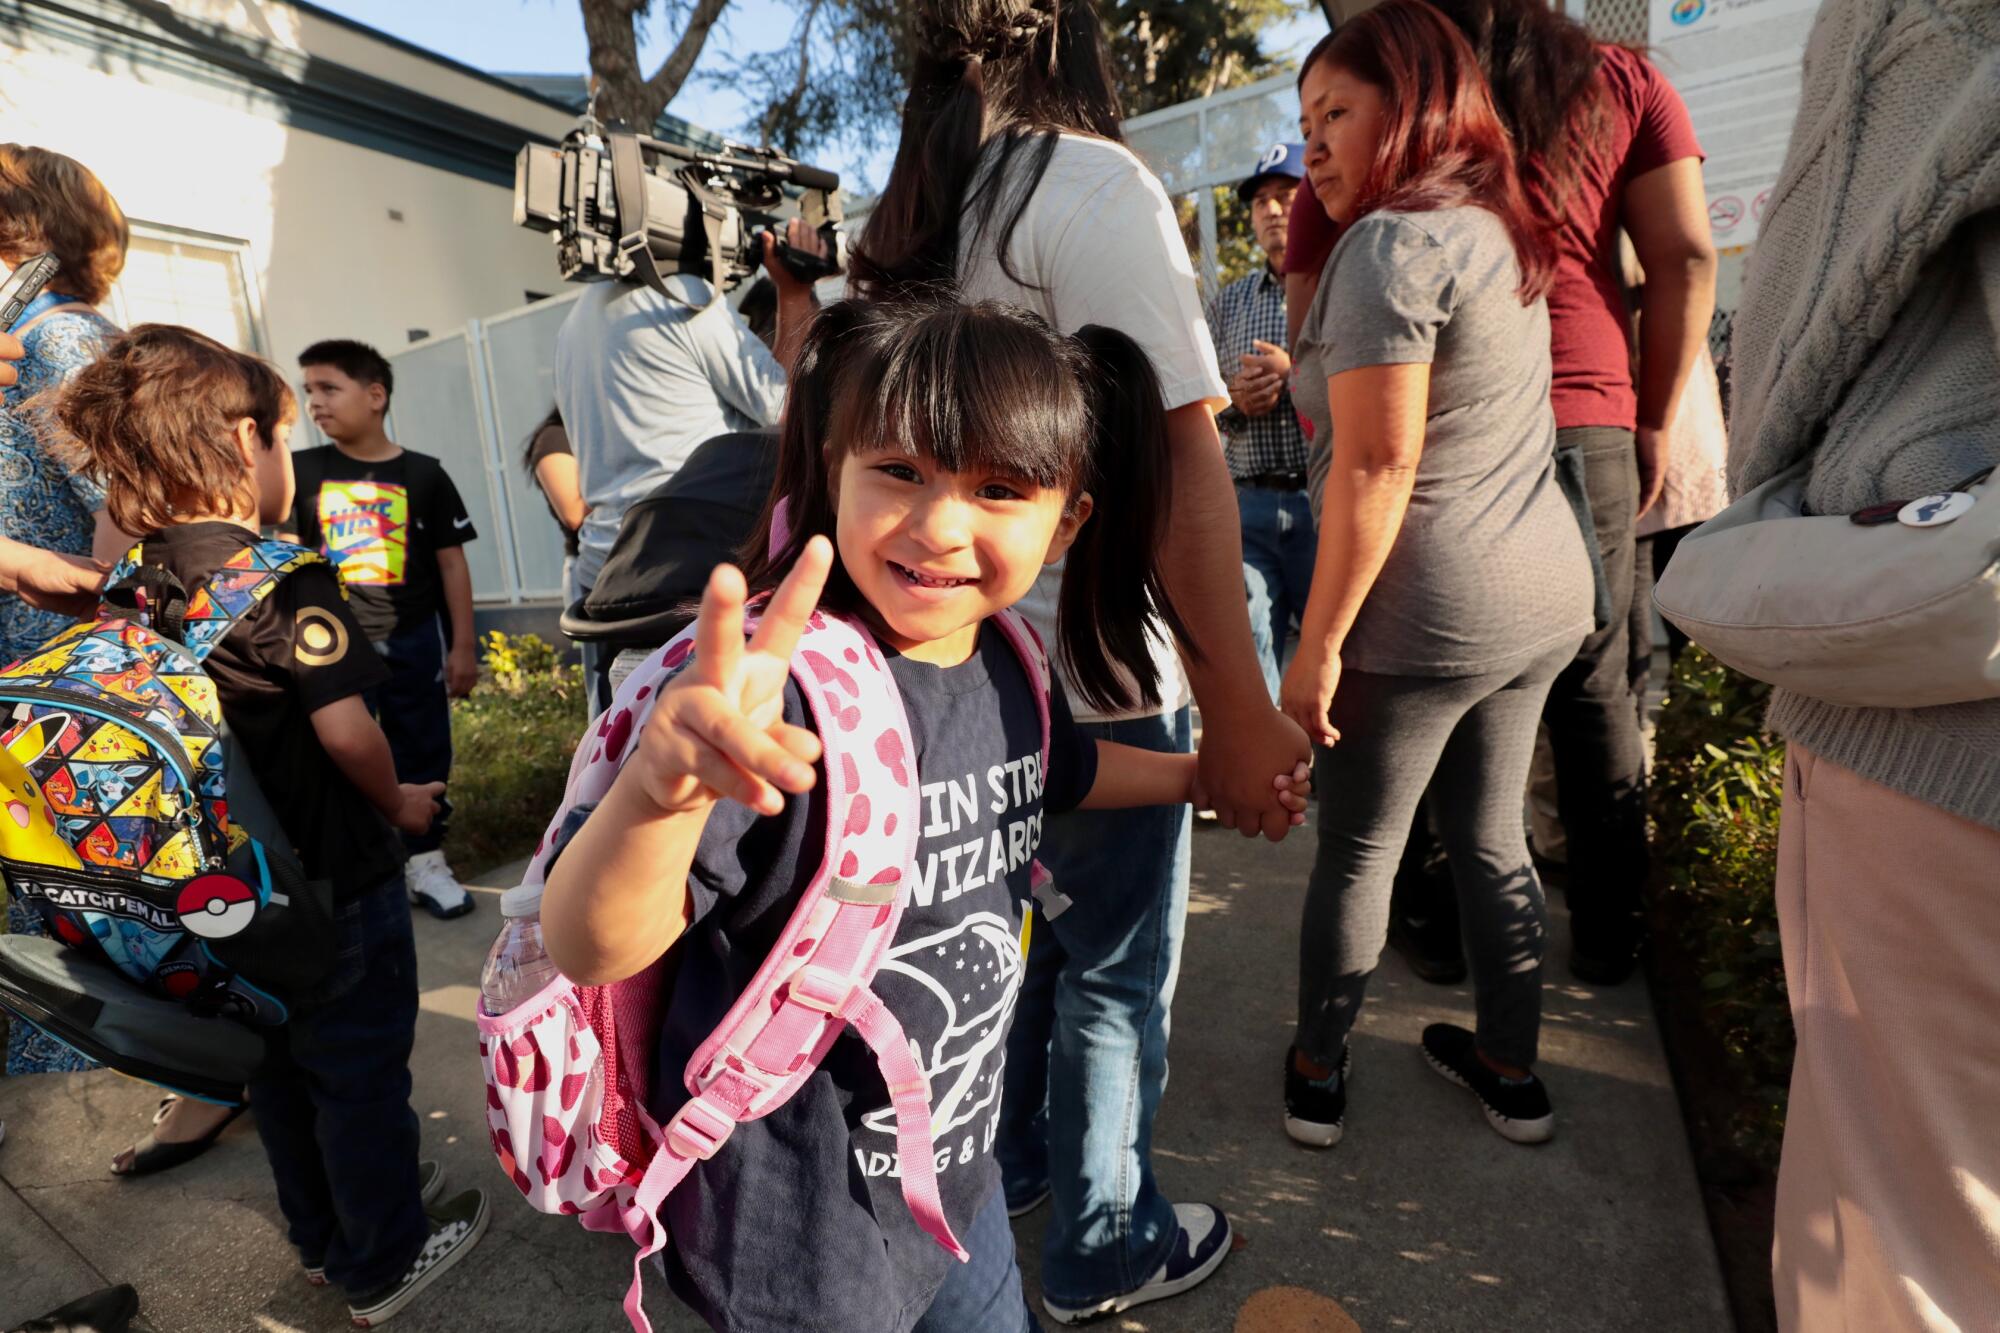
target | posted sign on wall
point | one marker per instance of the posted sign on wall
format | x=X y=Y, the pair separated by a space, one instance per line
x=1736 y=65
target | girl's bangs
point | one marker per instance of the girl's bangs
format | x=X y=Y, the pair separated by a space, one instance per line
x=974 y=392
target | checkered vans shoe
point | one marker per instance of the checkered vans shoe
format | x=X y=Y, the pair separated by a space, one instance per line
x=430 y=1185
x=456 y=1227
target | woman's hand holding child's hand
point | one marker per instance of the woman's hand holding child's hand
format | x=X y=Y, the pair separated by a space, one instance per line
x=719 y=729
x=1294 y=791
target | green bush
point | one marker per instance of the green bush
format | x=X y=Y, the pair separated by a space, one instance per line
x=512 y=742
x=1717 y=784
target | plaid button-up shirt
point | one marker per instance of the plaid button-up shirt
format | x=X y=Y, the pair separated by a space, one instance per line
x=1242 y=313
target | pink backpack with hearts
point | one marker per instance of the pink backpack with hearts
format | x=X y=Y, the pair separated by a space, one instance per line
x=568 y=1072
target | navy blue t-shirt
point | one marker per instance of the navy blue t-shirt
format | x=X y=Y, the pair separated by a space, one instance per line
x=799 y=1221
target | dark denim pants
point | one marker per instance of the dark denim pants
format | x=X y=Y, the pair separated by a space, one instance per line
x=1599 y=753
x=1087 y=1057
x=1279 y=543
x=983 y=1294
x=415 y=714
x=333 y=1102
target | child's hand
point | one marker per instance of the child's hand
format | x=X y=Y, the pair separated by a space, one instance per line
x=419 y=807
x=1294 y=790
x=719 y=729
x=461 y=672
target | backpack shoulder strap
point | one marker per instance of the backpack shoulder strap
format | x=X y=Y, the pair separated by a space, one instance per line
x=238 y=588
x=200 y=619
x=1035 y=659
x=816 y=980
x=149 y=592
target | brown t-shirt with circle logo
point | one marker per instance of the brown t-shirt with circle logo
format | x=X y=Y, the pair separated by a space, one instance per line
x=298 y=650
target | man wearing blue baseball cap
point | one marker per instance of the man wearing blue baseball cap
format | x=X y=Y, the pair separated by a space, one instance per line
x=1260 y=432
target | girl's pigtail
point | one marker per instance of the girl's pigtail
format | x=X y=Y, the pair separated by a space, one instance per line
x=800 y=504
x=1112 y=583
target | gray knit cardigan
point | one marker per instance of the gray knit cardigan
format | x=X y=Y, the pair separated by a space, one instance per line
x=1869 y=332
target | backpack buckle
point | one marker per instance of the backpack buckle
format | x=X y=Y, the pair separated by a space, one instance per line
x=819 y=988
x=697 y=1130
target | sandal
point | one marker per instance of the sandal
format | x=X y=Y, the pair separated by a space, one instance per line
x=150 y=1157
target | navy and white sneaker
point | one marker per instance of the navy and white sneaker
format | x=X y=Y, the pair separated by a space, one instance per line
x=1518 y=1109
x=1199 y=1249
x=430 y=1184
x=434 y=888
x=1316 y=1108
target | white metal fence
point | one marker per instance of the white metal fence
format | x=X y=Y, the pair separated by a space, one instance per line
x=1195 y=146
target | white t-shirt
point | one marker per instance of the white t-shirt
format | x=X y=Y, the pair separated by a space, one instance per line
x=1099 y=244
x=642 y=380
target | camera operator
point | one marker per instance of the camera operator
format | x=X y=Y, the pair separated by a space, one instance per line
x=641 y=379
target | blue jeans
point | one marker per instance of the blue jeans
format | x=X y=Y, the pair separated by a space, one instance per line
x=1087 y=1057
x=332 y=1103
x=1279 y=545
x=415 y=715
x=579 y=577
x=983 y=1294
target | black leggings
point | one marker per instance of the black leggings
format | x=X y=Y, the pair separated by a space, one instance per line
x=1469 y=739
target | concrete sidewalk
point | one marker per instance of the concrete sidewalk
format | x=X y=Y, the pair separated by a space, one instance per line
x=1422 y=1218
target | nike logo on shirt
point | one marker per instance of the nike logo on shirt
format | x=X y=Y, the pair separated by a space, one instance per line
x=461 y=523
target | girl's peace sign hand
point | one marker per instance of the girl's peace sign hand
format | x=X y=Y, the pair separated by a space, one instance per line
x=719 y=729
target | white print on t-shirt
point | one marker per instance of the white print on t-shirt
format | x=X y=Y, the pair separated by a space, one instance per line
x=972 y=971
x=989 y=857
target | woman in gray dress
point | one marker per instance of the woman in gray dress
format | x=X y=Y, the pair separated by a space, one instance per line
x=1452 y=582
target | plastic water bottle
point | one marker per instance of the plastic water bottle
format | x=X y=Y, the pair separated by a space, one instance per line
x=518 y=967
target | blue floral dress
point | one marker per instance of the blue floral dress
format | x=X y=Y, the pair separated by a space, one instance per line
x=43 y=503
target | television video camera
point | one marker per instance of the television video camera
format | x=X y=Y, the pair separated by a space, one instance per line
x=635 y=208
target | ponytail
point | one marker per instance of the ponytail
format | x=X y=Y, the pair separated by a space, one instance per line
x=1112 y=584
x=1014 y=75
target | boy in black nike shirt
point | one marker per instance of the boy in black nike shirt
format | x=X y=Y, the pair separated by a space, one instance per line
x=393 y=523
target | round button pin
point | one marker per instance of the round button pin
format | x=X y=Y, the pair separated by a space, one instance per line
x=1935 y=510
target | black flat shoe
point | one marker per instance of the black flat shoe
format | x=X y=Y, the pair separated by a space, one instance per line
x=1603 y=958
x=1433 y=952
x=1518 y=1109
x=152 y=1157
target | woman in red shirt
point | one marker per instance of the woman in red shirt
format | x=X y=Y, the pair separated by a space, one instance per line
x=1605 y=143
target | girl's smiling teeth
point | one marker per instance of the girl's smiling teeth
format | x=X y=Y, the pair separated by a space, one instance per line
x=918 y=579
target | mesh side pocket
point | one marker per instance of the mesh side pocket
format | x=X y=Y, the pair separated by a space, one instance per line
x=545 y=1101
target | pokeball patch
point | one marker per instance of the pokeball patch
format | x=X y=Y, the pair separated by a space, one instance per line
x=216 y=906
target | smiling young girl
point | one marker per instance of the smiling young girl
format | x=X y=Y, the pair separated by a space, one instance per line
x=933 y=459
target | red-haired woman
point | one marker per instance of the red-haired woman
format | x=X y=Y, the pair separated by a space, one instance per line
x=1603 y=143
x=1452 y=582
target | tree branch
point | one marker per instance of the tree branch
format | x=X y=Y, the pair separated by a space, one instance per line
x=674 y=70
x=787 y=106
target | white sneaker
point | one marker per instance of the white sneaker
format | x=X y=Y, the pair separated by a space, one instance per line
x=435 y=888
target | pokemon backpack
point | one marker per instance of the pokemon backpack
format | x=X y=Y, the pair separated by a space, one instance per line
x=137 y=832
x=569 y=1071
